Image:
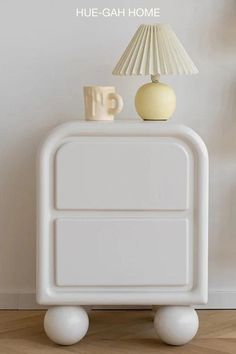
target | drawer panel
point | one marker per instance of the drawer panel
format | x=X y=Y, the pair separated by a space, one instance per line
x=122 y=252
x=122 y=176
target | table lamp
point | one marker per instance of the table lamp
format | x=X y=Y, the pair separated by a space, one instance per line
x=155 y=50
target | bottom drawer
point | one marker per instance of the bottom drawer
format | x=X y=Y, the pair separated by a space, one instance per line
x=122 y=252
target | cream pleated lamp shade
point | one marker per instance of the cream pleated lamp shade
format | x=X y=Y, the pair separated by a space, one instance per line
x=155 y=49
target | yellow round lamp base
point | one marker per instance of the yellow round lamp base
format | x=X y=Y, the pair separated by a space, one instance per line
x=155 y=101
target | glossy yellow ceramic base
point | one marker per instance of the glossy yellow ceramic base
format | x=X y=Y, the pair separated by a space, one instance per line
x=155 y=101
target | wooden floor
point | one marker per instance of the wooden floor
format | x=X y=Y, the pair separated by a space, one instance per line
x=113 y=332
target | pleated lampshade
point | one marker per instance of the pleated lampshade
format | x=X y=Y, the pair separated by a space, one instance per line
x=155 y=50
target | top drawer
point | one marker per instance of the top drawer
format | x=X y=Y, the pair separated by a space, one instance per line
x=123 y=175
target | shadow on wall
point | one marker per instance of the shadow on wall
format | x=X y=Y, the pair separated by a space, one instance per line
x=228 y=131
x=219 y=54
x=223 y=40
x=223 y=229
x=223 y=30
x=217 y=48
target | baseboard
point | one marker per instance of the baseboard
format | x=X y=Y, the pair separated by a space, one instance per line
x=220 y=300
x=14 y=301
x=217 y=300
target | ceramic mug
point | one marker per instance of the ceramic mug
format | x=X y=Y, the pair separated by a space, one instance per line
x=101 y=102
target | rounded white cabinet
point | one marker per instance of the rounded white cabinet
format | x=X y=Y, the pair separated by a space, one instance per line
x=122 y=220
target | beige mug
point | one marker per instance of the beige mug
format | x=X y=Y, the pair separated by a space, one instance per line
x=101 y=102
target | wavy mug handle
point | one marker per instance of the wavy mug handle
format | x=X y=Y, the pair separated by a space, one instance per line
x=118 y=103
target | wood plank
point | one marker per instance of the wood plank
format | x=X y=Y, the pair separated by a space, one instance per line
x=117 y=332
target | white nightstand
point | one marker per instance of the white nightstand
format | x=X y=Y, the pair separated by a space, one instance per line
x=122 y=220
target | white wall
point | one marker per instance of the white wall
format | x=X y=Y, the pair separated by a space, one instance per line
x=48 y=55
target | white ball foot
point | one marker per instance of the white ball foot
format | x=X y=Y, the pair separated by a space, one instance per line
x=66 y=325
x=176 y=325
